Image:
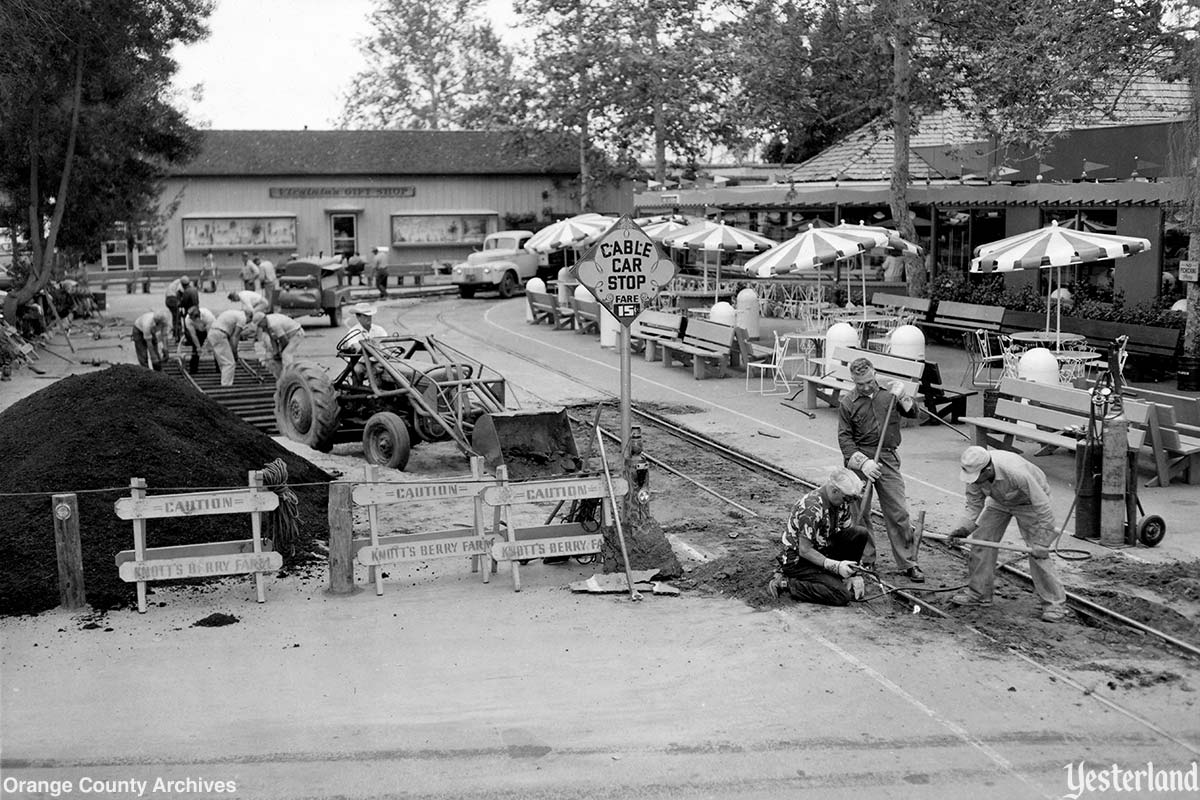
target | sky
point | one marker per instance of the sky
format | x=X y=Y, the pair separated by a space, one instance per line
x=280 y=64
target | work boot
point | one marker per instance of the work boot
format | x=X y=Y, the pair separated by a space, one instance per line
x=915 y=574
x=777 y=584
x=969 y=598
x=1056 y=613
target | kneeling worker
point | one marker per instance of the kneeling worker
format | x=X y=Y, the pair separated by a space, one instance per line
x=1001 y=486
x=282 y=335
x=823 y=544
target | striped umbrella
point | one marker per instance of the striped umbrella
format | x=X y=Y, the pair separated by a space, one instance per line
x=810 y=249
x=664 y=225
x=575 y=232
x=896 y=245
x=1054 y=246
x=717 y=237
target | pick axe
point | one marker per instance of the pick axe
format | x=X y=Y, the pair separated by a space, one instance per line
x=1016 y=548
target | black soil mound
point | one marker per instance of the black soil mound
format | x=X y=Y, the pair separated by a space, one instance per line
x=90 y=434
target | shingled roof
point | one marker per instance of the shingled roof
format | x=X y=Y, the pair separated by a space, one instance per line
x=275 y=153
x=866 y=153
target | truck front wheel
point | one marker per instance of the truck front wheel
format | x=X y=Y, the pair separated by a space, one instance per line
x=466 y=292
x=508 y=285
x=335 y=316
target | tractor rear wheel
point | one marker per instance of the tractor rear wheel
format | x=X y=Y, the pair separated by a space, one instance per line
x=385 y=440
x=306 y=408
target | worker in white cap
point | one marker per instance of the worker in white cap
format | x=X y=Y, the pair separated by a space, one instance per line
x=281 y=337
x=1001 y=486
x=823 y=543
x=363 y=327
x=222 y=338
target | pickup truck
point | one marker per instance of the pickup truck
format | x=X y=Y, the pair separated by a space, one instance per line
x=503 y=265
x=312 y=287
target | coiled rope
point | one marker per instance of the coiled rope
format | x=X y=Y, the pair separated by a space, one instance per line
x=282 y=524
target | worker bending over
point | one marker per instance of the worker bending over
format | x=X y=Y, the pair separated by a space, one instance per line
x=1001 y=486
x=250 y=301
x=223 y=337
x=823 y=544
x=282 y=336
x=150 y=332
x=196 y=325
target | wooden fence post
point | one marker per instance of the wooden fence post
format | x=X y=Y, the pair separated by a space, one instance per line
x=341 y=531
x=71 y=594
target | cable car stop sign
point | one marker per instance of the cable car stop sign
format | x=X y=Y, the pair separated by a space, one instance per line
x=624 y=270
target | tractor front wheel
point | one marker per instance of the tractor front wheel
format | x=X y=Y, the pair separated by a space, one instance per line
x=385 y=440
x=306 y=408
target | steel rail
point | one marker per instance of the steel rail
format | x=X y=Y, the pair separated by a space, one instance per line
x=1080 y=603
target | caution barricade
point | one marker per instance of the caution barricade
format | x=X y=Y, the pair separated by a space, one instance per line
x=379 y=549
x=519 y=544
x=252 y=556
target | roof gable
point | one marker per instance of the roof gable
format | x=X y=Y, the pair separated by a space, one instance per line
x=248 y=153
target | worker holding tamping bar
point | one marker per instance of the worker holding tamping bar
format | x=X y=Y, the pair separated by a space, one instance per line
x=1002 y=486
x=869 y=435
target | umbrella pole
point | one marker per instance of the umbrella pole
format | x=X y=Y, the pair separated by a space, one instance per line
x=1058 y=304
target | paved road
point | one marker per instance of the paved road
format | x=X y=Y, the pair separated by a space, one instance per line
x=446 y=688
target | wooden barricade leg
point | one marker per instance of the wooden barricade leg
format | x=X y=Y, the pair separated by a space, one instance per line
x=478 y=563
x=137 y=490
x=376 y=574
x=71 y=592
x=256 y=482
x=509 y=533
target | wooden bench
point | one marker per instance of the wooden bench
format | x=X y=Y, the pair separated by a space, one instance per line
x=1157 y=346
x=544 y=308
x=415 y=271
x=917 y=307
x=1020 y=321
x=1187 y=409
x=949 y=315
x=651 y=328
x=132 y=277
x=836 y=379
x=705 y=345
x=943 y=401
x=587 y=315
x=1174 y=446
x=1051 y=415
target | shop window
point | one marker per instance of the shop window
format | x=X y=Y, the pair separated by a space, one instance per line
x=227 y=233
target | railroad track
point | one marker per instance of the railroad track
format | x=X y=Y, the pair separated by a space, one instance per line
x=1095 y=613
x=252 y=396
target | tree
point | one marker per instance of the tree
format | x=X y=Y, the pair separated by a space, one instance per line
x=434 y=65
x=85 y=120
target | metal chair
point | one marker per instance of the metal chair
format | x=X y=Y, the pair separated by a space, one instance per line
x=981 y=360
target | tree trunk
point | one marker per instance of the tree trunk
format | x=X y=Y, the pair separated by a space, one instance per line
x=914 y=268
x=1191 y=332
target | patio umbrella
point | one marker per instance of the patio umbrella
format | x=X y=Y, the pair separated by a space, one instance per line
x=574 y=232
x=717 y=237
x=1053 y=246
x=896 y=245
x=664 y=225
x=811 y=249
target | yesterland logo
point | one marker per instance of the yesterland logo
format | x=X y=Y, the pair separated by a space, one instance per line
x=1085 y=781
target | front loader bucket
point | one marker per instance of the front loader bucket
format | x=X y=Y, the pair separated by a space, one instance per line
x=531 y=444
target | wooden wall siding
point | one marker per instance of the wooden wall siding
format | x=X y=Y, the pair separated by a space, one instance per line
x=506 y=195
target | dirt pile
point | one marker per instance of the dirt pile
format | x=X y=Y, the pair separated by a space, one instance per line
x=90 y=434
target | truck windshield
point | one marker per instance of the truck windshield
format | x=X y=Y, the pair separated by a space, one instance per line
x=501 y=243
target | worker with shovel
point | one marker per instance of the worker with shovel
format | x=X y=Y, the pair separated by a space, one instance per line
x=1001 y=486
x=868 y=435
x=823 y=544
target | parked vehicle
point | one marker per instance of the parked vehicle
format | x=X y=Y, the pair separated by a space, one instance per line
x=312 y=287
x=503 y=265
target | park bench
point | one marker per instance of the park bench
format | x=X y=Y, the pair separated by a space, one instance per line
x=415 y=271
x=836 y=378
x=1050 y=415
x=903 y=305
x=1187 y=409
x=1155 y=346
x=955 y=317
x=544 y=308
x=705 y=345
x=651 y=328
x=1174 y=446
x=587 y=315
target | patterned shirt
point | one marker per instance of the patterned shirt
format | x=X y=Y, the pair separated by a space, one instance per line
x=814 y=518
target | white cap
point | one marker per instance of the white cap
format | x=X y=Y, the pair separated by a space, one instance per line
x=846 y=481
x=365 y=309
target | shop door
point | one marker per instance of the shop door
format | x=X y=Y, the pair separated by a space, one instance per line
x=345 y=234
